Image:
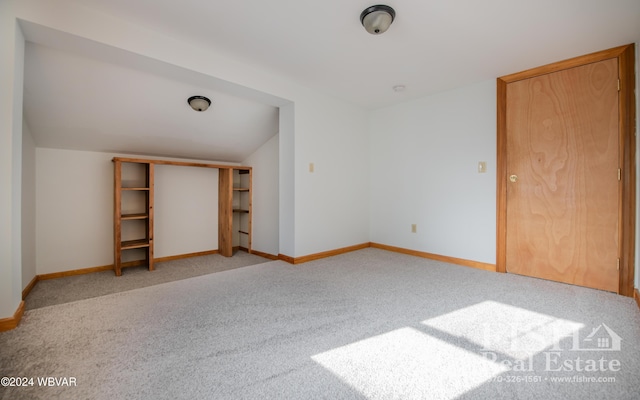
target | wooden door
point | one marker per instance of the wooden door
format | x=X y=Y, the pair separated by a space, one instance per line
x=563 y=193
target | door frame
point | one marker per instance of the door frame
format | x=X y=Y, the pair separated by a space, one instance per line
x=627 y=164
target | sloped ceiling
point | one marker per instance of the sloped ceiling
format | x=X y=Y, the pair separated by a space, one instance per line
x=81 y=103
x=84 y=102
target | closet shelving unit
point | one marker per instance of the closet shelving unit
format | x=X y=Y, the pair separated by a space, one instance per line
x=133 y=205
x=234 y=208
x=243 y=211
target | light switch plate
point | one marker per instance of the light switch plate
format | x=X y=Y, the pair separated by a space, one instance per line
x=482 y=167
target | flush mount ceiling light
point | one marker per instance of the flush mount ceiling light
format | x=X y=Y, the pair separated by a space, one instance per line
x=199 y=103
x=377 y=19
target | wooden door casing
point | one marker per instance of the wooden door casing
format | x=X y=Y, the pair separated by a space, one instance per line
x=626 y=96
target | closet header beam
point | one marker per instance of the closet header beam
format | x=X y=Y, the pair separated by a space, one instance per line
x=180 y=163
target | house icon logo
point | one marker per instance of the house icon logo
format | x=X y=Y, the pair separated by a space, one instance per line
x=601 y=338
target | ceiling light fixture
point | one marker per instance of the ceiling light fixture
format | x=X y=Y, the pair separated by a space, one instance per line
x=199 y=103
x=399 y=88
x=377 y=19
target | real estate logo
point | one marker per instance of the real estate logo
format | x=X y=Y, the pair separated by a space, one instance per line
x=557 y=359
x=601 y=338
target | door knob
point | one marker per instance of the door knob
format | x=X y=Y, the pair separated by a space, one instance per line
x=513 y=178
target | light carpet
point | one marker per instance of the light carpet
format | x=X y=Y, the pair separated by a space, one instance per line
x=71 y=288
x=365 y=325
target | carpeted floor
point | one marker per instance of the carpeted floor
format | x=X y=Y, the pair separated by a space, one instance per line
x=364 y=325
x=64 y=290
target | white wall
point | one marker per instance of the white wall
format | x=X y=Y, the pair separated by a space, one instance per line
x=11 y=80
x=16 y=169
x=424 y=158
x=286 y=183
x=74 y=210
x=28 y=206
x=332 y=202
x=266 y=199
x=186 y=210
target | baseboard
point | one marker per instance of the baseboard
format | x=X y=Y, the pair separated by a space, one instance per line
x=286 y=258
x=636 y=295
x=29 y=287
x=264 y=255
x=437 y=257
x=82 y=271
x=188 y=255
x=109 y=267
x=6 y=324
x=324 y=254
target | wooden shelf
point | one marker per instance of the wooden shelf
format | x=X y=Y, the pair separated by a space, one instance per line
x=134 y=244
x=234 y=209
x=139 y=177
x=127 y=217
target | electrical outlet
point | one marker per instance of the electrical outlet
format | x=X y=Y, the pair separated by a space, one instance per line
x=482 y=167
x=414 y=228
x=311 y=167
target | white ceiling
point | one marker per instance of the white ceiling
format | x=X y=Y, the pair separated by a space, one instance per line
x=140 y=107
x=76 y=102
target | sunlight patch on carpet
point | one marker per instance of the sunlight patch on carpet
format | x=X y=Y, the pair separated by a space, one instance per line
x=407 y=363
x=514 y=331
